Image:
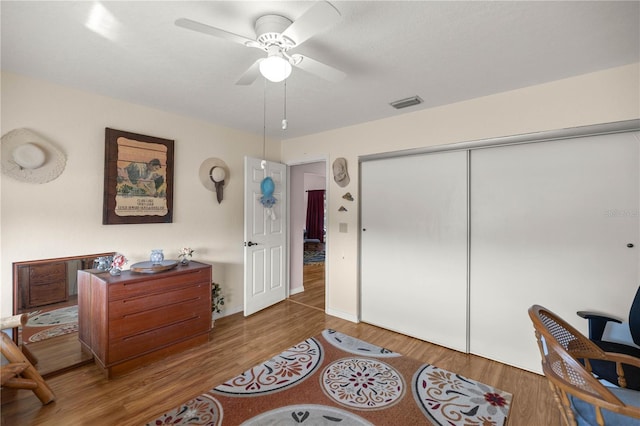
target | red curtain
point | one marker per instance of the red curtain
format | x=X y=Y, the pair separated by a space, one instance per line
x=315 y=215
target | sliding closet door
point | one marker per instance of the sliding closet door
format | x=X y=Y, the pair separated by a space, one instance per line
x=550 y=225
x=414 y=246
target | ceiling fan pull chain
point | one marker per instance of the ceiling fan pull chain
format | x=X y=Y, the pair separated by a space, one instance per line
x=263 y=163
x=285 y=124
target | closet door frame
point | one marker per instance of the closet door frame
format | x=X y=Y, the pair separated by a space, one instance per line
x=545 y=136
x=548 y=135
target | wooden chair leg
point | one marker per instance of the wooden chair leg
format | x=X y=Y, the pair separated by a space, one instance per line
x=29 y=355
x=29 y=375
x=14 y=322
x=10 y=371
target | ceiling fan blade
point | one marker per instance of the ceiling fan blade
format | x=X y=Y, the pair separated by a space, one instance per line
x=250 y=74
x=318 y=17
x=216 y=32
x=318 y=68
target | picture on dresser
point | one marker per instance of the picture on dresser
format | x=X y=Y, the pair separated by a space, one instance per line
x=138 y=179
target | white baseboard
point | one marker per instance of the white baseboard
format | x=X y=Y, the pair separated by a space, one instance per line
x=226 y=312
x=296 y=290
x=342 y=315
x=333 y=312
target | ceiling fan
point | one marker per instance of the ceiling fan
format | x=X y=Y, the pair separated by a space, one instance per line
x=276 y=35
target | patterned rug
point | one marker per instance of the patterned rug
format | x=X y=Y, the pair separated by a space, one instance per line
x=57 y=316
x=311 y=257
x=336 y=379
x=44 y=325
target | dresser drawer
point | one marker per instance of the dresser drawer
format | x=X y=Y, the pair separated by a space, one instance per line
x=139 y=318
x=146 y=285
x=47 y=273
x=174 y=329
x=47 y=284
x=45 y=294
x=129 y=307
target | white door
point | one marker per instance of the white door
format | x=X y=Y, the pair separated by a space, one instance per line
x=265 y=247
x=414 y=246
x=550 y=224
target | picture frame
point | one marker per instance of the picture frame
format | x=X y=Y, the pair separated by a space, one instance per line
x=138 y=179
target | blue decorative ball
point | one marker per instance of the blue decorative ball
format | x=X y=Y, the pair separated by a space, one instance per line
x=267 y=186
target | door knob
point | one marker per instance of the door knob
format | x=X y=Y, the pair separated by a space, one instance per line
x=630 y=245
x=250 y=243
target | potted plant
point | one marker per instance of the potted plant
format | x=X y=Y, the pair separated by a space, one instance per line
x=216 y=300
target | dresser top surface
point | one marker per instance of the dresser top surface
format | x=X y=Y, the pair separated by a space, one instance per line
x=128 y=275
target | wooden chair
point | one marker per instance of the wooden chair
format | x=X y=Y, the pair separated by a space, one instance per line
x=20 y=373
x=582 y=399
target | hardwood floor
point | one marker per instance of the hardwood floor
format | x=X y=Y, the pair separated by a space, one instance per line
x=66 y=347
x=68 y=354
x=58 y=354
x=85 y=397
x=313 y=282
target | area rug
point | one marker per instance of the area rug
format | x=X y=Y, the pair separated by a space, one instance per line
x=57 y=316
x=47 y=324
x=311 y=257
x=337 y=379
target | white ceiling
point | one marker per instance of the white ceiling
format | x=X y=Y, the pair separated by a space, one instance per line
x=444 y=52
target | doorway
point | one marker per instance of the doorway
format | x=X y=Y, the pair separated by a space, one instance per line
x=307 y=283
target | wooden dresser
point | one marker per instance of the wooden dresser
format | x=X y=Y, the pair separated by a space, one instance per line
x=129 y=320
x=42 y=284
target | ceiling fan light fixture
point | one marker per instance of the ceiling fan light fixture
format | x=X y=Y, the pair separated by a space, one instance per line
x=275 y=68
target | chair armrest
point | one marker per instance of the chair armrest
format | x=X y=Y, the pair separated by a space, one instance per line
x=622 y=358
x=13 y=321
x=597 y=323
x=618 y=358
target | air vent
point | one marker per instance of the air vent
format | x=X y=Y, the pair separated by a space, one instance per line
x=404 y=103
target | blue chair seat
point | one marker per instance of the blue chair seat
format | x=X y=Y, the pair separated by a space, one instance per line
x=586 y=416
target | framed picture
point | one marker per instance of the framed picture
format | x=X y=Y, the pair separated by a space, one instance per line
x=138 y=179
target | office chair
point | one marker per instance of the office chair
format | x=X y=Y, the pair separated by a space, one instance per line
x=597 y=325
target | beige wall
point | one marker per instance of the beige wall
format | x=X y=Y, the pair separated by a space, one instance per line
x=601 y=97
x=64 y=217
